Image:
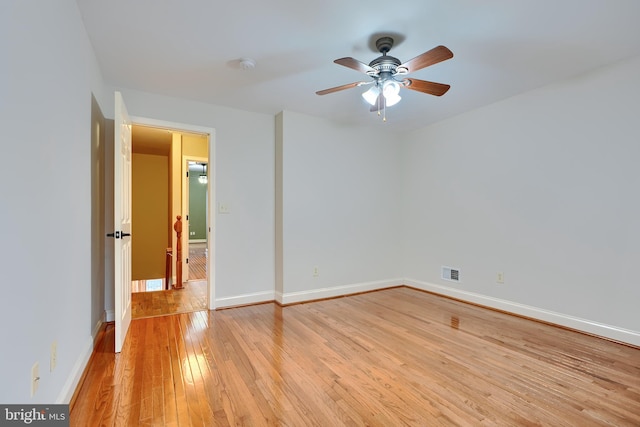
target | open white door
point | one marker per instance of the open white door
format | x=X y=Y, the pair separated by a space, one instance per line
x=122 y=220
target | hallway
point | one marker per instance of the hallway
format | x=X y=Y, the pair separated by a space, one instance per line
x=149 y=299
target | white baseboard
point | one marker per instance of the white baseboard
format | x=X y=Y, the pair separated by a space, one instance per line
x=76 y=373
x=109 y=315
x=310 y=295
x=254 y=298
x=96 y=328
x=69 y=387
x=583 y=325
x=335 y=291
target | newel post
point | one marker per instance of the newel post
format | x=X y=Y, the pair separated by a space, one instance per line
x=178 y=228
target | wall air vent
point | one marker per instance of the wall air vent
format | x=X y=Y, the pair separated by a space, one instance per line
x=451 y=274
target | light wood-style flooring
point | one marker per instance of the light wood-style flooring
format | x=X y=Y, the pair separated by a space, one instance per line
x=192 y=297
x=197 y=261
x=149 y=298
x=387 y=358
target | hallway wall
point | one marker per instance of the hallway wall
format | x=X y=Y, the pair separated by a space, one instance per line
x=48 y=76
x=149 y=215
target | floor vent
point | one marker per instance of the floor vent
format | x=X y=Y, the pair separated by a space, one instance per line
x=451 y=274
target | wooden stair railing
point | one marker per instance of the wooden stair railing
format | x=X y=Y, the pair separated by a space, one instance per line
x=178 y=228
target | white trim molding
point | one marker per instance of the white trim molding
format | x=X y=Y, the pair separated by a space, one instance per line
x=336 y=291
x=70 y=385
x=583 y=325
x=109 y=315
x=305 y=296
x=96 y=329
x=246 y=299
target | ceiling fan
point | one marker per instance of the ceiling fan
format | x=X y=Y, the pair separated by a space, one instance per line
x=388 y=73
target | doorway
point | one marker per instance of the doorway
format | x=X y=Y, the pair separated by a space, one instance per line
x=195 y=200
x=165 y=145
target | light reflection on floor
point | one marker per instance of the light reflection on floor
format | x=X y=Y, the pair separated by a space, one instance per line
x=147 y=285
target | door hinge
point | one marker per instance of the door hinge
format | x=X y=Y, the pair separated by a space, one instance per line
x=187 y=174
x=187 y=260
x=187 y=217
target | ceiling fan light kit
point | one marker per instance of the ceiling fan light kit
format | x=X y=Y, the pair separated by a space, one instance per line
x=203 y=178
x=388 y=74
x=371 y=96
x=391 y=93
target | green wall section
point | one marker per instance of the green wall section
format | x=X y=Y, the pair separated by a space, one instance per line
x=197 y=207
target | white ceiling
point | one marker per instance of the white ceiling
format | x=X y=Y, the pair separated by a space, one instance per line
x=191 y=49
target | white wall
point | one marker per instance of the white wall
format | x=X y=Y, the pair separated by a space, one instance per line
x=48 y=74
x=340 y=208
x=243 y=168
x=98 y=229
x=543 y=187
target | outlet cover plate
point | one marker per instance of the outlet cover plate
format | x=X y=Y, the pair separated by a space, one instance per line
x=35 y=378
x=54 y=356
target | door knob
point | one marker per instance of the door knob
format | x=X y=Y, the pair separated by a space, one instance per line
x=118 y=235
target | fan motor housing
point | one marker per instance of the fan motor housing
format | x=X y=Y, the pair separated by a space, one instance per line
x=384 y=44
x=385 y=63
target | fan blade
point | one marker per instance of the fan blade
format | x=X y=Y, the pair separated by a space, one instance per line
x=338 y=88
x=355 y=64
x=435 y=55
x=432 y=88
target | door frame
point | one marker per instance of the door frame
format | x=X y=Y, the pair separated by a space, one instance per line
x=189 y=128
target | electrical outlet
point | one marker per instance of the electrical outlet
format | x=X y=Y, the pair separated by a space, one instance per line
x=223 y=208
x=35 y=378
x=54 y=356
x=500 y=277
x=316 y=271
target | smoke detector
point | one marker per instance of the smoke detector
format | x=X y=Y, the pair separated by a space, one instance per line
x=247 y=64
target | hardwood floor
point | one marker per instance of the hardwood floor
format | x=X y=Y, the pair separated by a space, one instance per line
x=192 y=297
x=385 y=358
x=197 y=261
x=148 y=298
